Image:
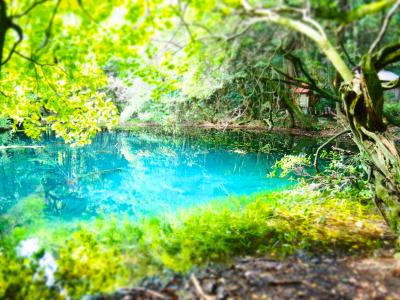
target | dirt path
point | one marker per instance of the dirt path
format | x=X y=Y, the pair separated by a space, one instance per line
x=294 y=278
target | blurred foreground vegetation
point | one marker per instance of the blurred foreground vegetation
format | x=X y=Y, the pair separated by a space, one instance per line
x=108 y=253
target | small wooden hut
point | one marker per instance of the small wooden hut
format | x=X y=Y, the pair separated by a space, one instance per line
x=305 y=98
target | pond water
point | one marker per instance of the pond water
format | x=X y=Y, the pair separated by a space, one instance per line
x=141 y=173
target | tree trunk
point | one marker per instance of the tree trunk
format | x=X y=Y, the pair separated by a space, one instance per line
x=362 y=97
x=297 y=114
x=3 y=29
x=363 y=102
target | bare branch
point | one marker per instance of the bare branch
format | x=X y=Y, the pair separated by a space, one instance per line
x=324 y=144
x=181 y=15
x=199 y=25
x=171 y=42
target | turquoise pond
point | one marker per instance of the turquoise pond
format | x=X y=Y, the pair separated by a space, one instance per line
x=141 y=173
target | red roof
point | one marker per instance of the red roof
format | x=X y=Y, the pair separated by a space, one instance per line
x=301 y=90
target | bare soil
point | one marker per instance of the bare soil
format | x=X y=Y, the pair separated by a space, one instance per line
x=298 y=277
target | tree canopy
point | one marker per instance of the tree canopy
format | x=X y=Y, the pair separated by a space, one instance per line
x=57 y=56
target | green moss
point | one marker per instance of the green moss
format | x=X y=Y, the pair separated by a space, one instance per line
x=107 y=254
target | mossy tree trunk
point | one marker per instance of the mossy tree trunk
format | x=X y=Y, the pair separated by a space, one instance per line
x=362 y=98
x=363 y=101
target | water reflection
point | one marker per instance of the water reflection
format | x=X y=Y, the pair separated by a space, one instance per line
x=141 y=173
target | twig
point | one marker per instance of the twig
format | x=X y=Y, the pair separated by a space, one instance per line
x=199 y=290
x=35 y=62
x=342 y=150
x=324 y=144
x=171 y=42
x=229 y=38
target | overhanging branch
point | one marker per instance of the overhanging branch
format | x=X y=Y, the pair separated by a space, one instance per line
x=28 y=10
x=304 y=27
x=18 y=30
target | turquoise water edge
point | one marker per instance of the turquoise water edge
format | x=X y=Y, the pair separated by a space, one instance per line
x=136 y=174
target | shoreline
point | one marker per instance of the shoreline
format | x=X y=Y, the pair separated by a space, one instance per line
x=254 y=128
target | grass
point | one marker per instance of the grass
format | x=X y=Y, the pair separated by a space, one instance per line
x=107 y=254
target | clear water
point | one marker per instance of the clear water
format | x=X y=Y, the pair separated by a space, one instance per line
x=141 y=173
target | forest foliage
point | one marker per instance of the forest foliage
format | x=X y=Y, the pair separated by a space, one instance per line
x=195 y=60
x=75 y=67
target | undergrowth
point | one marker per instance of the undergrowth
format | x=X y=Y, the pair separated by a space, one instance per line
x=107 y=254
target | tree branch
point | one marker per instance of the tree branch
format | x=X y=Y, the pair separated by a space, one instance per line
x=355 y=14
x=87 y=13
x=227 y=38
x=312 y=85
x=27 y=11
x=324 y=144
x=391 y=84
x=49 y=26
x=18 y=30
x=33 y=60
x=269 y=15
x=4 y=26
x=180 y=13
x=384 y=27
x=386 y=56
x=347 y=55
